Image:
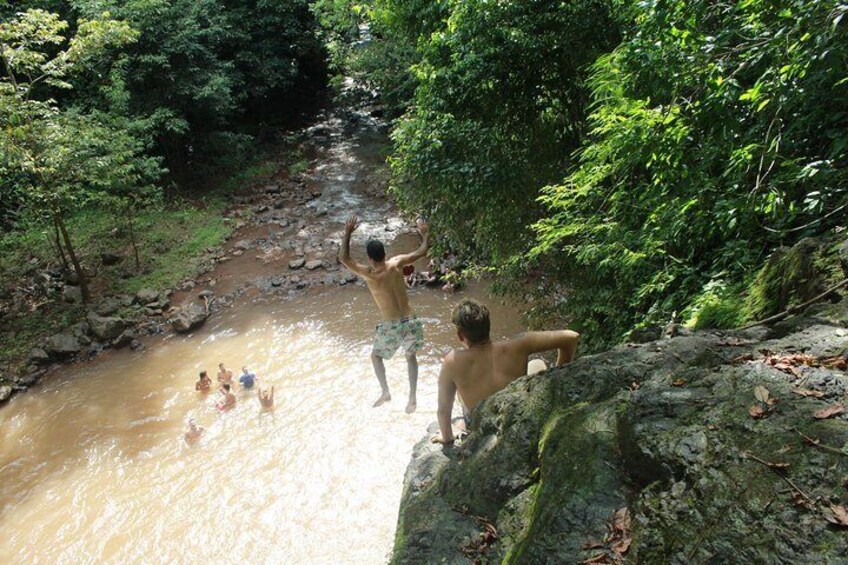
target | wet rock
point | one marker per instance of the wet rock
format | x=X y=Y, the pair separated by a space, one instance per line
x=313 y=264
x=62 y=345
x=106 y=328
x=550 y=458
x=135 y=345
x=37 y=356
x=124 y=339
x=238 y=253
x=645 y=335
x=297 y=264
x=109 y=259
x=72 y=294
x=146 y=295
x=189 y=318
x=5 y=393
x=243 y=244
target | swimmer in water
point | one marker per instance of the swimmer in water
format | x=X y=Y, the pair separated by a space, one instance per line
x=225 y=376
x=204 y=383
x=228 y=399
x=193 y=432
x=247 y=379
x=266 y=398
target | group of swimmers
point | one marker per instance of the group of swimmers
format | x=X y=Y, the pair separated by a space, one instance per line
x=227 y=399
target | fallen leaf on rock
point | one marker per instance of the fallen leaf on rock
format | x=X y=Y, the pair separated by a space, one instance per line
x=761 y=393
x=739 y=359
x=592 y=545
x=836 y=362
x=808 y=392
x=832 y=410
x=839 y=515
x=711 y=427
x=679 y=382
x=622 y=545
x=757 y=412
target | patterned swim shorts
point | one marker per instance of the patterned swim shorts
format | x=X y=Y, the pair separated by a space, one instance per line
x=407 y=333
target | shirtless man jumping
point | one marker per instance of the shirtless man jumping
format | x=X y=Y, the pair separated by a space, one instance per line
x=400 y=327
x=483 y=368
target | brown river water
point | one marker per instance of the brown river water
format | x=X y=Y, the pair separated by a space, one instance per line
x=94 y=469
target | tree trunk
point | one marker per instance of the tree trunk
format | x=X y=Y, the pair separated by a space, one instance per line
x=130 y=221
x=86 y=296
x=58 y=243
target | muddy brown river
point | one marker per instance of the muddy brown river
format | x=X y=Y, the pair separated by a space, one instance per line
x=95 y=470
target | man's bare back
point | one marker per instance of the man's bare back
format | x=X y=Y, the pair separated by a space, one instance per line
x=483 y=367
x=388 y=288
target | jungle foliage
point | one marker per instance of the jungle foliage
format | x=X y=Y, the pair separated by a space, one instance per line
x=105 y=103
x=622 y=162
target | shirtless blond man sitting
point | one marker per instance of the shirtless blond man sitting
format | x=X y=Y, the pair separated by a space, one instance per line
x=484 y=367
x=400 y=326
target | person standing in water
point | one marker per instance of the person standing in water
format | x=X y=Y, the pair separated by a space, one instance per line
x=266 y=398
x=204 y=383
x=193 y=432
x=247 y=379
x=228 y=399
x=400 y=326
x=225 y=376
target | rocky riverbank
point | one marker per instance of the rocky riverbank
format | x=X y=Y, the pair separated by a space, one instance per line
x=721 y=447
x=284 y=241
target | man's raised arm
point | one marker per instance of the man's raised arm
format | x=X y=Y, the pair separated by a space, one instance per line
x=409 y=258
x=344 y=253
x=564 y=341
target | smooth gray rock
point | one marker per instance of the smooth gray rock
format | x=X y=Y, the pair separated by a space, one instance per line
x=243 y=244
x=5 y=393
x=37 y=356
x=62 y=345
x=297 y=264
x=72 y=294
x=108 y=306
x=314 y=264
x=189 y=319
x=106 y=328
x=146 y=295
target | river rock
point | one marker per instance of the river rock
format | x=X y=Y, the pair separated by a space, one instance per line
x=5 y=393
x=62 y=345
x=295 y=264
x=189 y=318
x=110 y=259
x=662 y=429
x=72 y=294
x=106 y=328
x=314 y=264
x=71 y=278
x=646 y=334
x=242 y=245
x=146 y=295
x=108 y=306
x=37 y=356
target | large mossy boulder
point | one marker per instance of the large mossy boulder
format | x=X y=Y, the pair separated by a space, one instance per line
x=662 y=429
